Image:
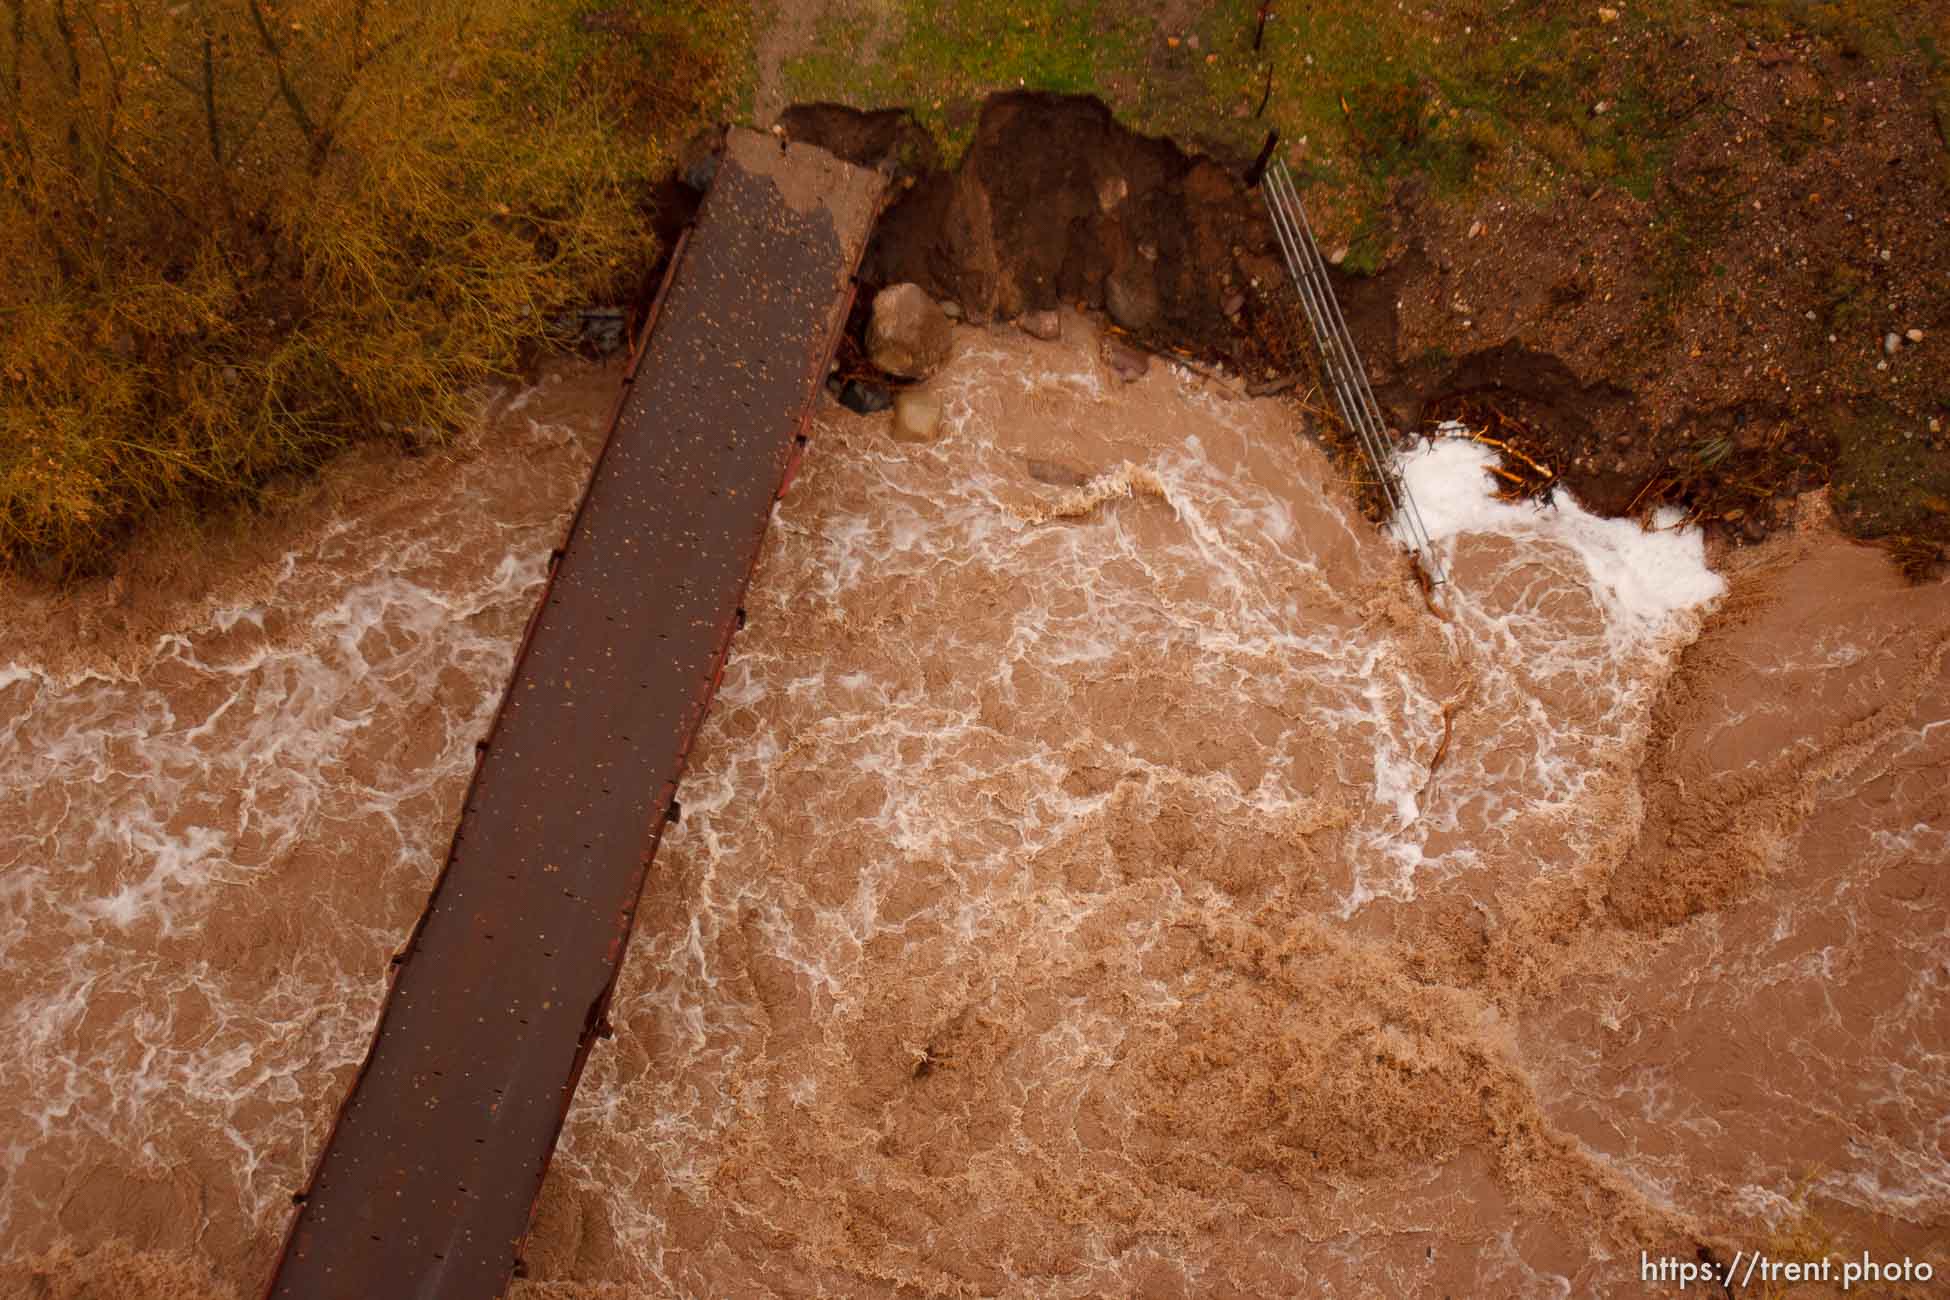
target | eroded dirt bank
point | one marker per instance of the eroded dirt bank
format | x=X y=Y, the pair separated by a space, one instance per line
x=1742 y=335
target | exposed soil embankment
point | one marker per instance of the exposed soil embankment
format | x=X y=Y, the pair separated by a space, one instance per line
x=1056 y=203
x=1596 y=328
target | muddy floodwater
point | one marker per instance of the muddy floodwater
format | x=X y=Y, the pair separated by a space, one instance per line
x=1102 y=873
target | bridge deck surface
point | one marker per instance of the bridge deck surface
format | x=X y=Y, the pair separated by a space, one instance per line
x=429 y=1178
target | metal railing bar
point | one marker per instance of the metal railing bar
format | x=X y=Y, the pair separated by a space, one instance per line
x=1411 y=512
x=1340 y=360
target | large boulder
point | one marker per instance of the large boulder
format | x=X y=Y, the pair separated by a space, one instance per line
x=909 y=335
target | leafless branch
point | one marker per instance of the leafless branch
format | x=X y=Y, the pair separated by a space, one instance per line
x=213 y=128
x=286 y=90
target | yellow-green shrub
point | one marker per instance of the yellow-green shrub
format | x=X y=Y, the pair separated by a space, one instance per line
x=236 y=235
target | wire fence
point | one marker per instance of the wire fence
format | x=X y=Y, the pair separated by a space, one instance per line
x=1340 y=363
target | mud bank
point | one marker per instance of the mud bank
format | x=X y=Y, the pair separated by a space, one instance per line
x=1054 y=204
x=1638 y=385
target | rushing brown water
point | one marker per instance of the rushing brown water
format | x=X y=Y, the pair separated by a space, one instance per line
x=213 y=840
x=1100 y=874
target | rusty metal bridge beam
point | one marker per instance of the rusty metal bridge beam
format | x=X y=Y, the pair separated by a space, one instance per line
x=427 y=1182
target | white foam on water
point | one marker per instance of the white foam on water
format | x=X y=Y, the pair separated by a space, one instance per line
x=1643 y=578
x=1563 y=624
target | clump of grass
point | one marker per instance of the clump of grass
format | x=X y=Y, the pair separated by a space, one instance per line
x=238 y=235
x=1889 y=489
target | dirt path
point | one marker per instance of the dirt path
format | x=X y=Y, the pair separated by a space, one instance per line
x=790 y=28
x=786 y=26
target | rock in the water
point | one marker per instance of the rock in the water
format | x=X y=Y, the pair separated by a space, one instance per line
x=1131 y=297
x=1045 y=325
x=1892 y=343
x=952 y=310
x=860 y=396
x=917 y=416
x=908 y=335
x=1055 y=473
x=1126 y=362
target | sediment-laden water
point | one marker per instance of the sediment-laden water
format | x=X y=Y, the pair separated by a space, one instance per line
x=1102 y=873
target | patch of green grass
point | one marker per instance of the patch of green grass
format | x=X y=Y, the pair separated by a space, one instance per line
x=1367 y=252
x=1480 y=99
x=1476 y=103
x=1887 y=482
x=931 y=56
x=830 y=70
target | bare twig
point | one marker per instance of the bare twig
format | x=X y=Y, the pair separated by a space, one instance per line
x=237 y=149
x=19 y=32
x=302 y=116
x=1659 y=481
x=64 y=27
x=1449 y=711
x=16 y=142
x=212 y=127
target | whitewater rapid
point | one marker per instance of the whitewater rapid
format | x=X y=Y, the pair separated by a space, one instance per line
x=1101 y=871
